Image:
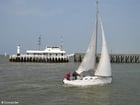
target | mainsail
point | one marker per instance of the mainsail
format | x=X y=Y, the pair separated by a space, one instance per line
x=104 y=66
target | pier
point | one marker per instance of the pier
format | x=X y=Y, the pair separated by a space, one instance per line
x=114 y=58
x=38 y=59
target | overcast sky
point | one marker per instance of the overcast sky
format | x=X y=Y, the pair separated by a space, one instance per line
x=22 y=21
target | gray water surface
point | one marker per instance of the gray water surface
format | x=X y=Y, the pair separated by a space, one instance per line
x=41 y=84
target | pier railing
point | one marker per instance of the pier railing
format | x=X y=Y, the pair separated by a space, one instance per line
x=38 y=58
x=114 y=58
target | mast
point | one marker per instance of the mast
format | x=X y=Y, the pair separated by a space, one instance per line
x=39 y=42
x=61 y=42
x=96 y=31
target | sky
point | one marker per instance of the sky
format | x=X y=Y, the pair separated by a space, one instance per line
x=69 y=21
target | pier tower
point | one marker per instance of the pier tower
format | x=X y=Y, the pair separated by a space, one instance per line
x=18 y=50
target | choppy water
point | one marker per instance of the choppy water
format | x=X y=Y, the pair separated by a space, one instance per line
x=41 y=84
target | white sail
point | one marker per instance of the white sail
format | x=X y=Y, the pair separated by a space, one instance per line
x=104 y=66
x=88 y=61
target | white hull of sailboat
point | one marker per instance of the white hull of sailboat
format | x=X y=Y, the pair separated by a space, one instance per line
x=89 y=81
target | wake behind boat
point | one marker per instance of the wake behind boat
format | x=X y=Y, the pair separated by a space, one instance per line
x=102 y=74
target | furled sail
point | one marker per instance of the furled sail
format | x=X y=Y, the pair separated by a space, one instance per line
x=104 y=66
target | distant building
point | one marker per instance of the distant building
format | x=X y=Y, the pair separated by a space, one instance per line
x=50 y=54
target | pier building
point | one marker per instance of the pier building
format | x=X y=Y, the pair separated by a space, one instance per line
x=50 y=54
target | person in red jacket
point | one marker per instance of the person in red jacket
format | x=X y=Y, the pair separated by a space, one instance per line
x=67 y=76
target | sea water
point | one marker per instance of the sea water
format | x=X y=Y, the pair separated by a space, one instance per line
x=41 y=84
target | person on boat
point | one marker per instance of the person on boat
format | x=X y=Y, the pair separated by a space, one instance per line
x=67 y=76
x=75 y=75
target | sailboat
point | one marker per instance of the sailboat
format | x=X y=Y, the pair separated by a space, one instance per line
x=102 y=71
